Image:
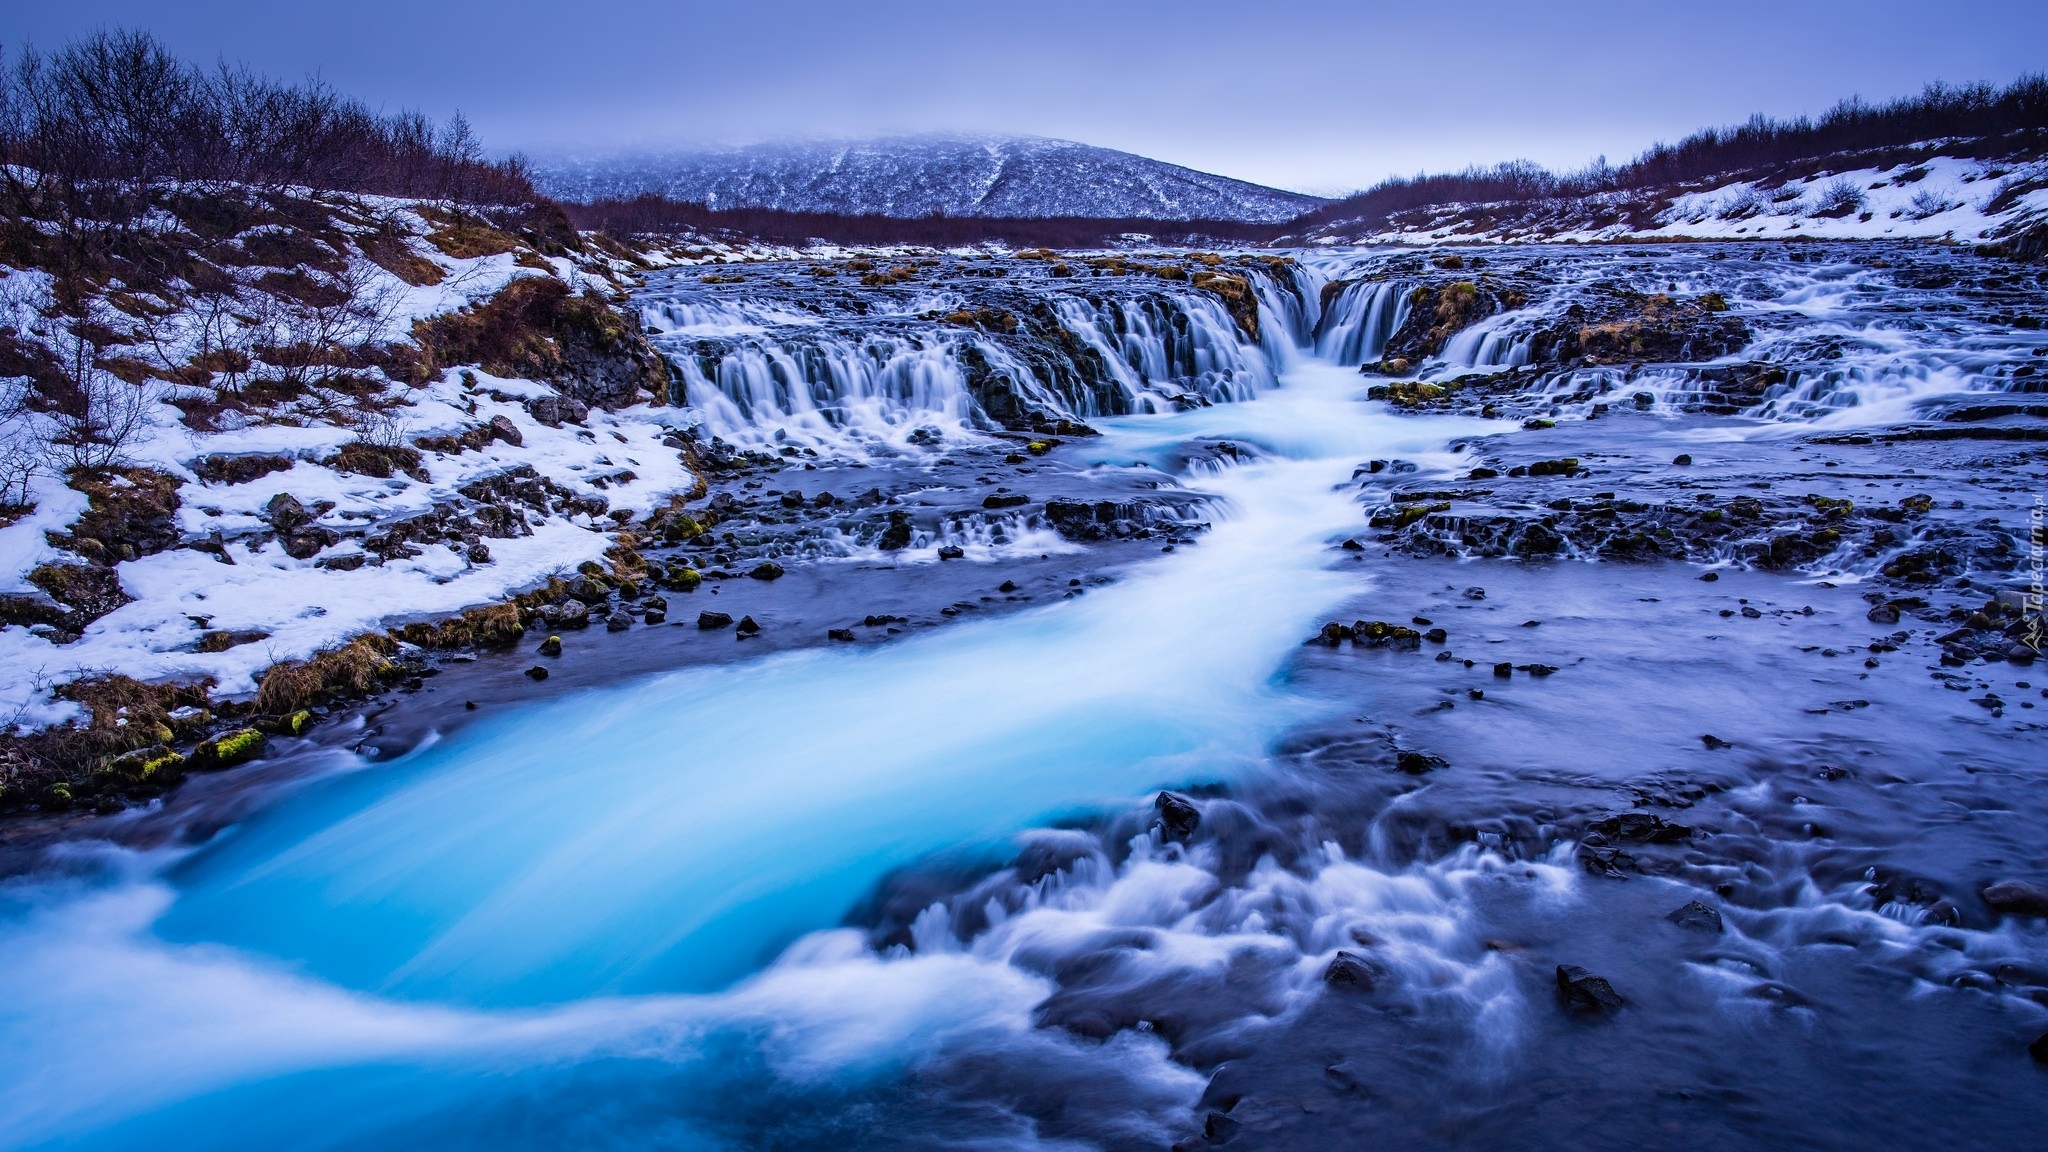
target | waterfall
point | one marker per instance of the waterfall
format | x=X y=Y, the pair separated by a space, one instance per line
x=761 y=368
x=1490 y=344
x=1356 y=326
x=1161 y=348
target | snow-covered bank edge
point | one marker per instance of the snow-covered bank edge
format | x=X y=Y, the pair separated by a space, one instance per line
x=234 y=490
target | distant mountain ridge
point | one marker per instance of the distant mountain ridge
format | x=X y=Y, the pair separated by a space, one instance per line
x=917 y=176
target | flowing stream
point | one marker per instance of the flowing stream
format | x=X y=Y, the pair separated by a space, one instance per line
x=538 y=889
x=912 y=894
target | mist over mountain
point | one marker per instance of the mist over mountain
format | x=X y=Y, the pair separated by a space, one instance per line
x=1012 y=177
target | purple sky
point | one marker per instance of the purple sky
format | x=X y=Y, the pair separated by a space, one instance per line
x=1322 y=97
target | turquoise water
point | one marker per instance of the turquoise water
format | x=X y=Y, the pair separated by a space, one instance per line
x=580 y=924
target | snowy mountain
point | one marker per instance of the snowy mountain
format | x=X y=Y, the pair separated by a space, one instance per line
x=929 y=175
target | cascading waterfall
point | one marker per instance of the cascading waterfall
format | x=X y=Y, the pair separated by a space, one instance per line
x=761 y=371
x=1494 y=343
x=1159 y=349
x=824 y=387
x=1356 y=326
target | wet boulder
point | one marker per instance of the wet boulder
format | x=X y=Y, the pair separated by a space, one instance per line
x=589 y=589
x=897 y=535
x=1177 y=819
x=1352 y=972
x=1697 y=916
x=1640 y=828
x=2017 y=898
x=1583 y=993
x=710 y=621
x=1417 y=763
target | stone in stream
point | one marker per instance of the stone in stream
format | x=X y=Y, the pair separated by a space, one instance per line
x=1416 y=763
x=552 y=646
x=1584 y=993
x=2039 y=1049
x=1641 y=828
x=1714 y=742
x=839 y=634
x=1007 y=586
x=1178 y=819
x=2017 y=898
x=712 y=620
x=952 y=552
x=618 y=622
x=655 y=616
x=747 y=627
x=898 y=534
x=536 y=673
x=1504 y=669
x=1351 y=971
x=767 y=570
x=1697 y=916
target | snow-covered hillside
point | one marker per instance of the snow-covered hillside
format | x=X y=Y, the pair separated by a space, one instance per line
x=1965 y=200
x=930 y=175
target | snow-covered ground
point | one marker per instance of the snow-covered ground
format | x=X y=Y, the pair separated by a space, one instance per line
x=308 y=604
x=1945 y=198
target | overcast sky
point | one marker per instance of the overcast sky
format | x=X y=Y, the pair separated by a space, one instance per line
x=1320 y=97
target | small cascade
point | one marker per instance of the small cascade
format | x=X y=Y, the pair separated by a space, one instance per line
x=1290 y=306
x=1491 y=344
x=829 y=386
x=1163 y=349
x=774 y=362
x=1355 y=326
x=719 y=317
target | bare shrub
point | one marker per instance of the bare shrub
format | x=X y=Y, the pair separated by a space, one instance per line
x=1839 y=197
x=96 y=417
x=1928 y=202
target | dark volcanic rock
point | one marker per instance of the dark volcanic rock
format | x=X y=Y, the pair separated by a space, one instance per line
x=710 y=620
x=1640 y=828
x=2017 y=898
x=1698 y=916
x=1582 y=992
x=1178 y=819
x=1352 y=971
